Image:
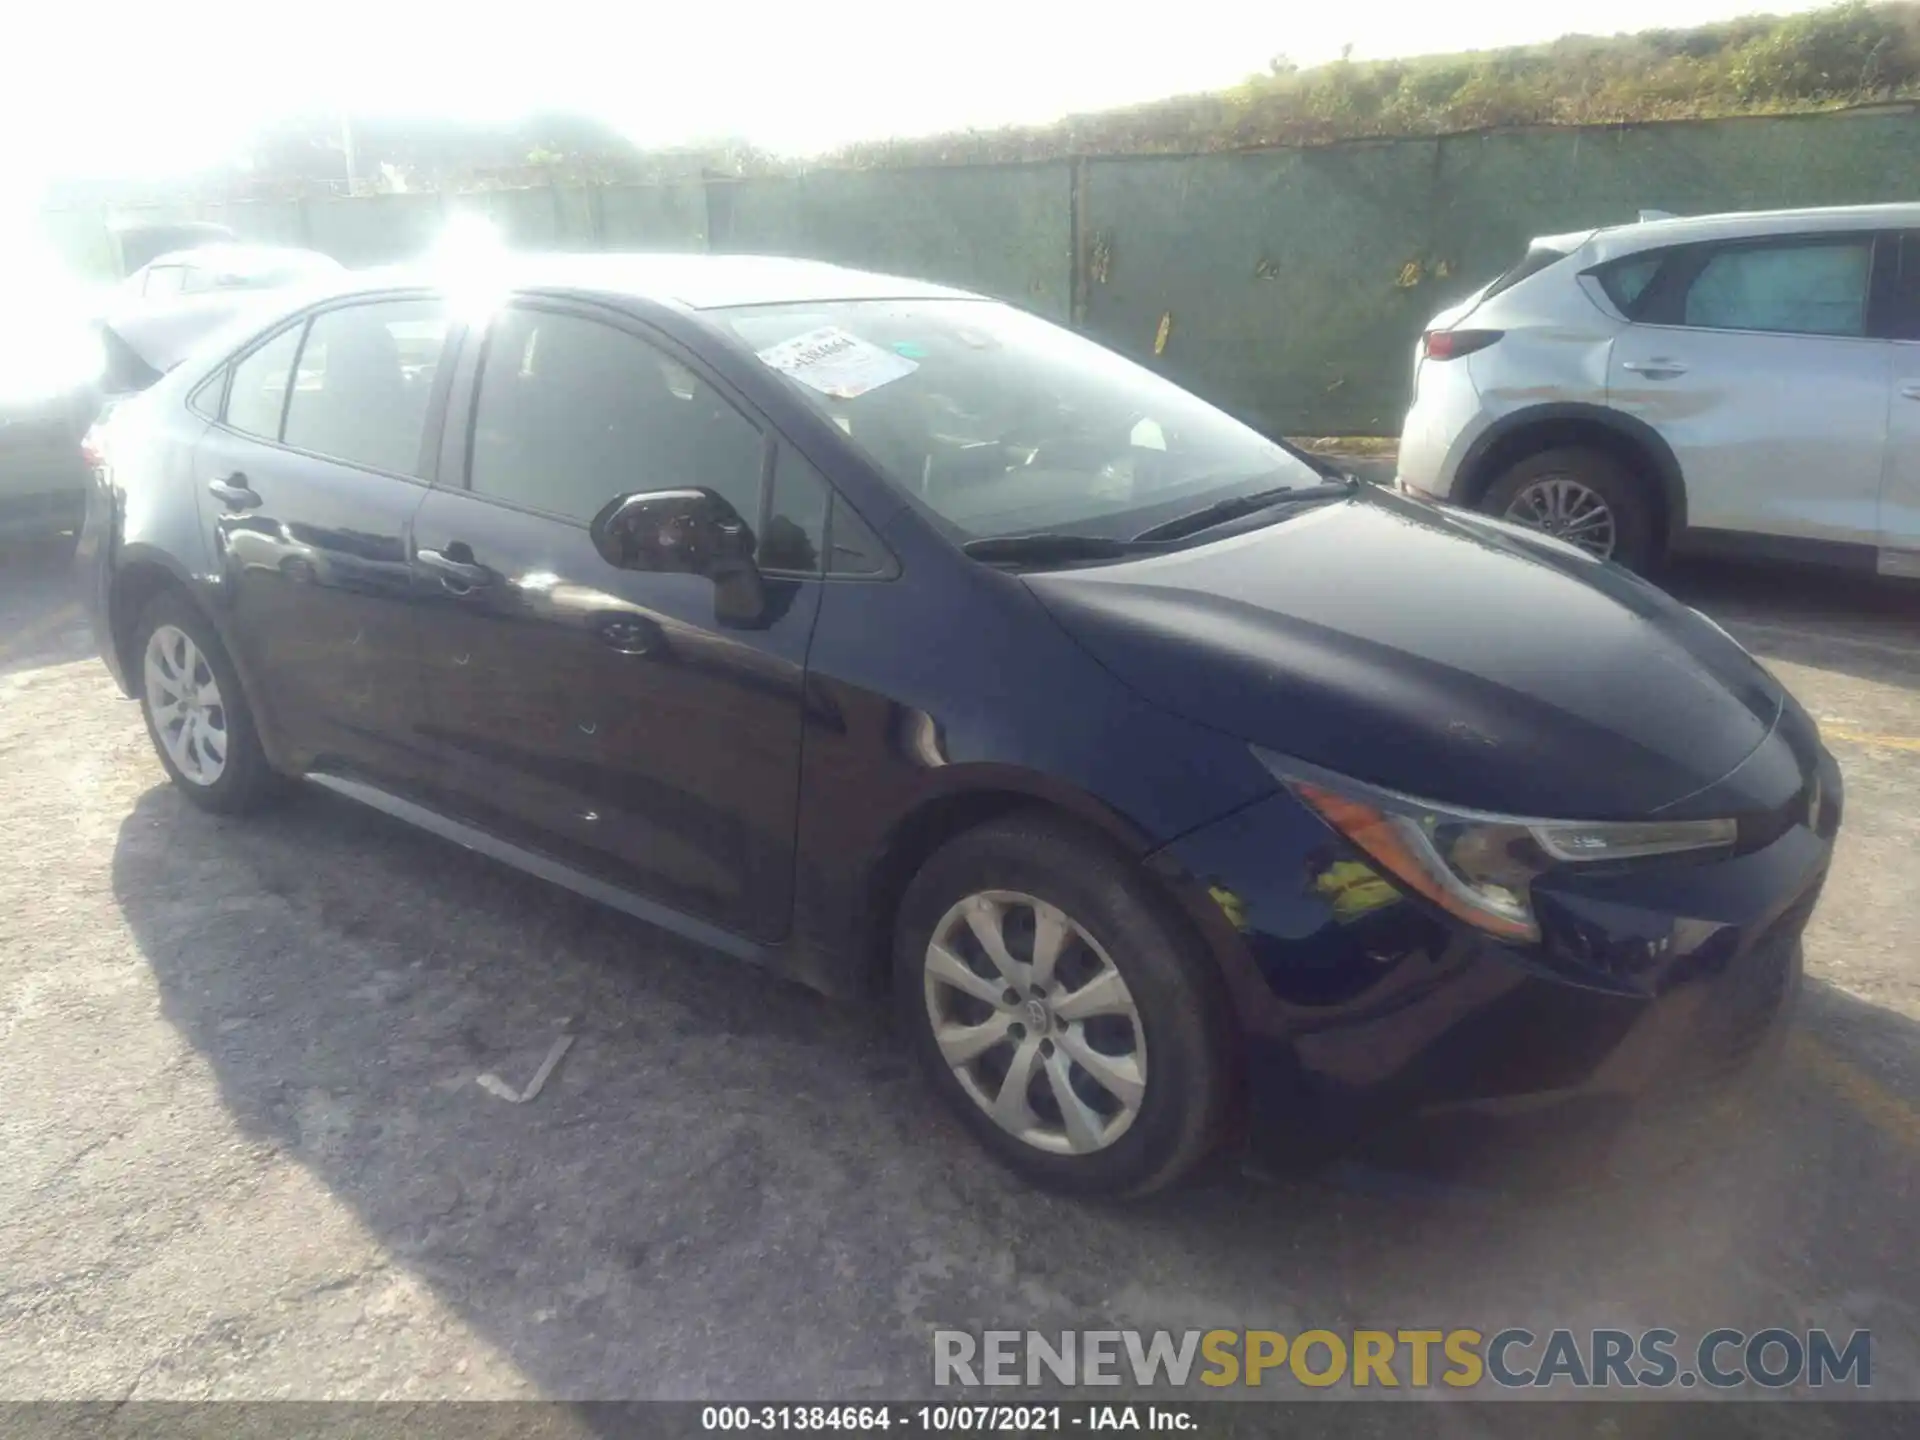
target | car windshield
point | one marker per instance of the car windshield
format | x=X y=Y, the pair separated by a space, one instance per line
x=1002 y=424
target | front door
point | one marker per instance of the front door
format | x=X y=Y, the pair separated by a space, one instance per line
x=309 y=483
x=1759 y=366
x=608 y=716
x=1900 y=502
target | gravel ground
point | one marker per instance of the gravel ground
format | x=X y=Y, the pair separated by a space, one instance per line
x=243 y=1153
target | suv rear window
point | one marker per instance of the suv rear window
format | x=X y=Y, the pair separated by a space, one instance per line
x=1537 y=258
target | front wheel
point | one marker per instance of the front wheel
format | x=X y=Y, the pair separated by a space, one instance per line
x=1070 y=1023
x=1584 y=497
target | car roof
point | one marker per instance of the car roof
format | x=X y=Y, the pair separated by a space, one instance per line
x=1737 y=224
x=692 y=281
x=242 y=257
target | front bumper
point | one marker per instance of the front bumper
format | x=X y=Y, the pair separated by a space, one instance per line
x=1366 y=1015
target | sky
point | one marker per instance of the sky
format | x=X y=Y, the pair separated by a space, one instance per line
x=113 y=87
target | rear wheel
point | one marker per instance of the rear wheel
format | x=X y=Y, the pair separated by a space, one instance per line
x=196 y=714
x=1584 y=497
x=1069 y=1023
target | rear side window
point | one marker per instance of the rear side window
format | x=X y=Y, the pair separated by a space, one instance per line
x=258 y=394
x=1537 y=258
x=364 y=381
x=1792 y=289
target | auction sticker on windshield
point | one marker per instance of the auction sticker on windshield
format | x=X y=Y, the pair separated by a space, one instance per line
x=836 y=363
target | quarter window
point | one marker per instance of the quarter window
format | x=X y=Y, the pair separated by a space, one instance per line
x=1800 y=289
x=1625 y=281
x=810 y=529
x=854 y=548
x=364 y=381
x=573 y=412
x=258 y=394
x=795 y=535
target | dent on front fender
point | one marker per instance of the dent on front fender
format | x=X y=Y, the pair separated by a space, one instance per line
x=1314 y=928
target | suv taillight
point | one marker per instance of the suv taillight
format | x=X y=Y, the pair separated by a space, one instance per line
x=1452 y=344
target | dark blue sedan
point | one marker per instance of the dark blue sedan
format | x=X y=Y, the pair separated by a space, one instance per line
x=890 y=637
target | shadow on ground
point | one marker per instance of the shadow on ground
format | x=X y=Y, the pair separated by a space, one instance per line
x=733 y=1189
x=41 y=621
x=1853 y=624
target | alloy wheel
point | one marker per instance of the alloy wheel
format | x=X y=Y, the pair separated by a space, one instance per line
x=1567 y=510
x=183 y=699
x=1036 y=1022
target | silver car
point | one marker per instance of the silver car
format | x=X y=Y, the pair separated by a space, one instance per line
x=68 y=352
x=1745 y=383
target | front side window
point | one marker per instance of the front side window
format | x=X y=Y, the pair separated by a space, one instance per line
x=1794 y=289
x=364 y=382
x=1002 y=424
x=258 y=395
x=573 y=412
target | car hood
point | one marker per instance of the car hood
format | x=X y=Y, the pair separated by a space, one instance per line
x=1430 y=652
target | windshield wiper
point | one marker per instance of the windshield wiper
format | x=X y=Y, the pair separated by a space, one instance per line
x=1234 y=507
x=1048 y=546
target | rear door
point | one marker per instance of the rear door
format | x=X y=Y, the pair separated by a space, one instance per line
x=309 y=483
x=1760 y=363
x=1900 y=502
x=610 y=717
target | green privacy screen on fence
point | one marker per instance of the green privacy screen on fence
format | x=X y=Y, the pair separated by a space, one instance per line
x=1291 y=284
x=1003 y=229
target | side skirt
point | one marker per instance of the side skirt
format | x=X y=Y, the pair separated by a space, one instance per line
x=1854 y=556
x=700 y=932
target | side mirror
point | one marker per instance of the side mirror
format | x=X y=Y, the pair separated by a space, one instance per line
x=685 y=532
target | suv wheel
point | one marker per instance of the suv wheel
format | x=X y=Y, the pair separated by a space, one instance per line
x=1071 y=1028
x=1584 y=497
x=196 y=714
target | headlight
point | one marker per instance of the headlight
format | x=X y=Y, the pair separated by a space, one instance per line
x=1480 y=868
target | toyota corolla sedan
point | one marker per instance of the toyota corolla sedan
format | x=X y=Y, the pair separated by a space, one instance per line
x=897 y=640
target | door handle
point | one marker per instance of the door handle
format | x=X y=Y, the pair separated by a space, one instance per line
x=455 y=574
x=234 y=492
x=1656 y=369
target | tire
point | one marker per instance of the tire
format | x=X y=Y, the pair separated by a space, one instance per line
x=1621 y=493
x=229 y=777
x=1170 y=1034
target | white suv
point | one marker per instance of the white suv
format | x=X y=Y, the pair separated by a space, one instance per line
x=1744 y=383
